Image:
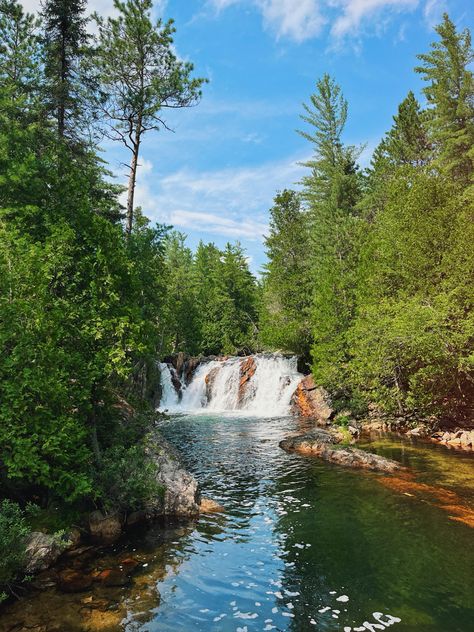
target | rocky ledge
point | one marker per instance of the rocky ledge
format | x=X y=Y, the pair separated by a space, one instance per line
x=326 y=445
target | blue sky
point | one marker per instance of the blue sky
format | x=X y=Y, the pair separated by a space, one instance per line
x=214 y=178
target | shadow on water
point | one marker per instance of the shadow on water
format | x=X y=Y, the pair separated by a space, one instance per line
x=302 y=545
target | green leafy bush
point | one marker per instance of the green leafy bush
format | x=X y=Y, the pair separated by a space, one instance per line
x=13 y=533
x=126 y=478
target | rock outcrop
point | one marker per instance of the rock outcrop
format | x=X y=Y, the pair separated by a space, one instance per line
x=179 y=495
x=323 y=445
x=105 y=528
x=248 y=367
x=43 y=550
x=312 y=401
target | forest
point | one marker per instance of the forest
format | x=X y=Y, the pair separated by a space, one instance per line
x=368 y=276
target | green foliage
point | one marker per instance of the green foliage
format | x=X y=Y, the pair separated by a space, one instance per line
x=286 y=286
x=390 y=253
x=13 y=533
x=126 y=479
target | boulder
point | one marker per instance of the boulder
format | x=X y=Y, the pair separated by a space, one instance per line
x=105 y=528
x=322 y=445
x=311 y=401
x=179 y=495
x=43 y=550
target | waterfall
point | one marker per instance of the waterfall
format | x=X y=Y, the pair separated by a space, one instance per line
x=169 y=395
x=260 y=385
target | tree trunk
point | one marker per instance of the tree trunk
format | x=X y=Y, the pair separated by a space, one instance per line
x=131 y=187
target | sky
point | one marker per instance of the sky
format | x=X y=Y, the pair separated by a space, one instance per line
x=215 y=175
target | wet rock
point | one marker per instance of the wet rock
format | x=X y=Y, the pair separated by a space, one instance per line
x=305 y=443
x=42 y=551
x=72 y=581
x=113 y=577
x=247 y=370
x=209 y=381
x=311 y=401
x=105 y=528
x=459 y=439
x=322 y=445
x=179 y=495
x=207 y=505
x=418 y=431
x=136 y=517
x=189 y=368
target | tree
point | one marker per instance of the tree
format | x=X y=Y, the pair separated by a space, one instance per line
x=450 y=93
x=332 y=190
x=141 y=78
x=182 y=321
x=19 y=51
x=65 y=44
x=285 y=314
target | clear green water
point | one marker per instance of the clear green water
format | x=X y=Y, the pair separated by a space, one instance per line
x=296 y=537
x=300 y=533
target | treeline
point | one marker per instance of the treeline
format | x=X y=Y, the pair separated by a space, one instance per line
x=370 y=272
x=85 y=308
x=212 y=299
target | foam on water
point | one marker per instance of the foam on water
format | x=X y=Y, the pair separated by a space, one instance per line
x=215 y=387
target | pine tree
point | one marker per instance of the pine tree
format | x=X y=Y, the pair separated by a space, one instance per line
x=332 y=190
x=65 y=42
x=141 y=78
x=285 y=314
x=450 y=93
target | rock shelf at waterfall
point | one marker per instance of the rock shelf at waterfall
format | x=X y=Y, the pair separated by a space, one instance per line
x=259 y=385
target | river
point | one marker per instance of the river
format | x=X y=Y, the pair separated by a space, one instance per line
x=301 y=545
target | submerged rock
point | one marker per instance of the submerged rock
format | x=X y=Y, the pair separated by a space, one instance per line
x=71 y=581
x=322 y=444
x=312 y=401
x=207 y=505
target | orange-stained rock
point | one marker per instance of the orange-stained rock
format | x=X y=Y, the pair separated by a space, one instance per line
x=207 y=505
x=247 y=371
x=445 y=499
x=209 y=380
x=311 y=401
x=72 y=581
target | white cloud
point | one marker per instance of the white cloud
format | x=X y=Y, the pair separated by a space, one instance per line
x=357 y=12
x=433 y=11
x=232 y=202
x=297 y=20
x=304 y=19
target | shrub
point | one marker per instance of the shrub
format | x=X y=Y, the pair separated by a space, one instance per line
x=13 y=533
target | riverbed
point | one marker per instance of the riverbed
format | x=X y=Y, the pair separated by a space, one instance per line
x=301 y=545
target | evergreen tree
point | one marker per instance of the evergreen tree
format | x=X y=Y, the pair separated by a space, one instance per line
x=332 y=190
x=182 y=313
x=65 y=44
x=450 y=93
x=141 y=78
x=285 y=313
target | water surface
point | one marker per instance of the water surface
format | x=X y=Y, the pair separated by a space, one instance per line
x=302 y=545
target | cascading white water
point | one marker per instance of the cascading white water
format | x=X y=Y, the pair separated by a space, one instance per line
x=169 y=396
x=216 y=386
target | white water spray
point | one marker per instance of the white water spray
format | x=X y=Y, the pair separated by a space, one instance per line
x=215 y=387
